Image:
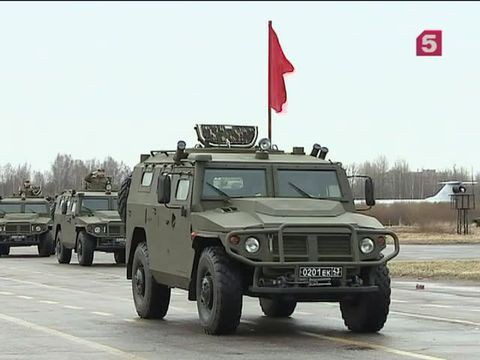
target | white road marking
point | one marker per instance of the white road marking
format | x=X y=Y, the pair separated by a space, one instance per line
x=371 y=346
x=5 y=293
x=73 y=307
x=48 y=302
x=129 y=320
x=63 y=335
x=398 y=301
x=452 y=289
x=438 y=306
x=101 y=313
x=436 y=318
x=25 y=297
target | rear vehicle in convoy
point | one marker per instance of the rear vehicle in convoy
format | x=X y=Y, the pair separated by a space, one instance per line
x=87 y=221
x=229 y=218
x=25 y=221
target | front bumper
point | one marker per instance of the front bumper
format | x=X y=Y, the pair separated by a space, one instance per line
x=110 y=244
x=19 y=240
x=284 y=273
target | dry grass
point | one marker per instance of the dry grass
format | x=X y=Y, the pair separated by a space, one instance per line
x=437 y=269
x=442 y=233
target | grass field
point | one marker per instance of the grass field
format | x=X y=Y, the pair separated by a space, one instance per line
x=437 y=269
x=439 y=233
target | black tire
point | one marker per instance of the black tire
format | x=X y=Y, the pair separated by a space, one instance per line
x=64 y=255
x=151 y=298
x=219 y=292
x=85 y=248
x=119 y=256
x=278 y=307
x=367 y=313
x=4 y=249
x=45 y=244
x=123 y=196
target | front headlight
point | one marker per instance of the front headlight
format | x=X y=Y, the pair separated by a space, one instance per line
x=2 y=228
x=252 y=245
x=97 y=230
x=367 y=245
x=38 y=228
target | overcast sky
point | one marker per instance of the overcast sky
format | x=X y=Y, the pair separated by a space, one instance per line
x=120 y=79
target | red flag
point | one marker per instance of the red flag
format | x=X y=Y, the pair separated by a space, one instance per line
x=278 y=65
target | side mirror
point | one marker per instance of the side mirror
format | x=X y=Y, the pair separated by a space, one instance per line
x=164 y=189
x=369 y=192
x=64 y=208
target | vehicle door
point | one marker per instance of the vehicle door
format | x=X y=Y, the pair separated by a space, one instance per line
x=173 y=241
x=69 y=234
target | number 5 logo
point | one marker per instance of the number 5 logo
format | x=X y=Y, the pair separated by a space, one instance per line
x=429 y=43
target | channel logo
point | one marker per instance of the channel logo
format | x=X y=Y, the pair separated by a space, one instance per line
x=429 y=43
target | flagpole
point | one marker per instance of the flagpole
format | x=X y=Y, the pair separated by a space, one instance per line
x=268 y=100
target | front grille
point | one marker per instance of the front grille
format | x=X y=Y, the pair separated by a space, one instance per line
x=116 y=230
x=314 y=247
x=292 y=245
x=334 y=244
x=17 y=228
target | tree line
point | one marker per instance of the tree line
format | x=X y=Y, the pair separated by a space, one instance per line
x=64 y=173
x=392 y=181
x=399 y=181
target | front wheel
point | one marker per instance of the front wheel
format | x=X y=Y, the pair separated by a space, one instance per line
x=219 y=292
x=151 y=298
x=368 y=313
x=64 y=255
x=278 y=307
x=85 y=248
x=45 y=244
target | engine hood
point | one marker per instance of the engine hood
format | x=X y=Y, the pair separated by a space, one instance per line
x=259 y=213
x=25 y=217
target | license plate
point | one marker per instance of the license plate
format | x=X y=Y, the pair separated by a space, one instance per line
x=320 y=272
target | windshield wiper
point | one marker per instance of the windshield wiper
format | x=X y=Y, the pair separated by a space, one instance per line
x=218 y=191
x=301 y=191
x=90 y=211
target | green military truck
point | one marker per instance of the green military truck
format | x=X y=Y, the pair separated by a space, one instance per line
x=87 y=221
x=25 y=221
x=229 y=218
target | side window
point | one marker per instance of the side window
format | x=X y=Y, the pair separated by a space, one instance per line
x=74 y=207
x=147 y=178
x=181 y=194
x=58 y=208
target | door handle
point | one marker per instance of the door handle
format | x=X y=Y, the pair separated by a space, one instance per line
x=173 y=220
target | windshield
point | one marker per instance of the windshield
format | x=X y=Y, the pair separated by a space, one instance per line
x=10 y=208
x=318 y=184
x=94 y=204
x=37 y=208
x=230 y=183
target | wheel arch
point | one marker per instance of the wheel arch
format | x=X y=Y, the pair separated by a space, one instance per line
x=138 y=237
x=199 y=243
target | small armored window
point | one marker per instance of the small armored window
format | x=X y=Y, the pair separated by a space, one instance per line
x=147 y=178
x=182 y=189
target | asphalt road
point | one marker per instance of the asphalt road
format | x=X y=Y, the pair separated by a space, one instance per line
x=52 y=311
x=435 y=252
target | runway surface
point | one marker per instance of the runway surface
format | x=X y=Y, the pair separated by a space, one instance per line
x=53 y=311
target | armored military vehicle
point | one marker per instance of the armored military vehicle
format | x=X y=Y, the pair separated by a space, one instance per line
x=25 y=220
x=87 y=221
x=229 y=218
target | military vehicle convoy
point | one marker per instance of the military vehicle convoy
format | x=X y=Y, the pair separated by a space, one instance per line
x=87 y=221
x=229 y=218
x=25 y=221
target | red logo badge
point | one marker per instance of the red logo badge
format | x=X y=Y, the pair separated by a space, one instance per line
x=429 y=43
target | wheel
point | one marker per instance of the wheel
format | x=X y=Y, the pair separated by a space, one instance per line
x=119 y=256
x=151 y=298
x=45 y=245
x=64 y=255
x=4 y=249
x=123 y=196
x=219 y=292
x=85 y=248
x=278 y=307
x=368 y=312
